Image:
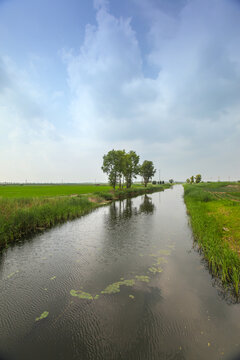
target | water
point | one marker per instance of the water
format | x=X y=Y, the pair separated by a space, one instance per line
x=178 y=314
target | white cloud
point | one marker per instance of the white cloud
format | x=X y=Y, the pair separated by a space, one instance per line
x=186 y=117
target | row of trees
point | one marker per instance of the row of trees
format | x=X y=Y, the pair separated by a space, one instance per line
x=122 y=167
x=197 y=179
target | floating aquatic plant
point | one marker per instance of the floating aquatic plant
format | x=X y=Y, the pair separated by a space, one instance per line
x=81 y=294
x=53 y=277
x=12 y=274
x=131 y=296
x=164 y=252
x=155 y=270
x=142 y=278
x=160 y=260
x=115 y=287
x=42 y=316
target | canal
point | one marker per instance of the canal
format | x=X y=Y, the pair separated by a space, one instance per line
x=123 y=282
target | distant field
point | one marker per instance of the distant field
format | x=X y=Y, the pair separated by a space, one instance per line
x=29 y=191
x=222 y=190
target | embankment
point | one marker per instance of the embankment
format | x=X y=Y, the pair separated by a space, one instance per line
x=23 y=217
x=214 y=220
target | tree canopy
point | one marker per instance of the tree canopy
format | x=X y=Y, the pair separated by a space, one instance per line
x=198 y=178
x=147 y=171
x=121 y=167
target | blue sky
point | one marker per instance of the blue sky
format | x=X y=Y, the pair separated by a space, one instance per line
x=78 y=78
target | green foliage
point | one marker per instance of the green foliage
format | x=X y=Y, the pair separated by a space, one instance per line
x=192 y=179
x=213 y=216
x=171 y=181
x=20 y=218
x=147 y=171
x=188 y=181
x=198 y=178
x=131 y=167
x=118 y=164
x=113 y=165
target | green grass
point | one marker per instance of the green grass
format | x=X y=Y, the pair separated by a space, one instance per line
x=214 y=209
x=29 y=191
x=20 y=218
x=23 y=216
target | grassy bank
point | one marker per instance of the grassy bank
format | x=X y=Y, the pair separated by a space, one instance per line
x=214 y=209
x=23 y=216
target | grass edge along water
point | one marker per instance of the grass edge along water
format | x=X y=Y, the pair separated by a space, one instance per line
x=208 y=225
x=23 y=217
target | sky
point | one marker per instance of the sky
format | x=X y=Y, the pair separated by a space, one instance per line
x=80 y=78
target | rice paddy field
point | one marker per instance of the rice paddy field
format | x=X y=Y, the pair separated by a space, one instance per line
x=214 y=209
x=28 y=191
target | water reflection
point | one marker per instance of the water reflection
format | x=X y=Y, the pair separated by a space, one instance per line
x=125 y=209
x=147 y=205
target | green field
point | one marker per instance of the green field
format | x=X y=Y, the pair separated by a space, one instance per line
x=29 y=191
x=214 y=209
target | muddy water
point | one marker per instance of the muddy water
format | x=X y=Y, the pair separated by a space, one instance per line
x=123 y=282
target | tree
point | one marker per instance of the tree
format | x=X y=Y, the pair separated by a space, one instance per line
x=120 y=163
x=188 y=181
x=171 y=181
x=198 y=178
x=111 y=166
x=192 y=179
x=131 y=167
x=147 y=171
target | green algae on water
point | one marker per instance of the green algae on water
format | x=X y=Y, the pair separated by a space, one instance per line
x=155 y=270
x=142 y=278
x=160 y=260
x=42 y=316
x=115 y=287
x=164 y=252
x=12 y=274
x=81 y=294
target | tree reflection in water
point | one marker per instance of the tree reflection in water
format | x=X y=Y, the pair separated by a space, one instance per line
x=124 y=209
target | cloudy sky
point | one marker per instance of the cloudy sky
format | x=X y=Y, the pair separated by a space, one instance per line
x=81 y=77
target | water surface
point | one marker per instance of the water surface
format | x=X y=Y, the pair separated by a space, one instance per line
x=143 y=291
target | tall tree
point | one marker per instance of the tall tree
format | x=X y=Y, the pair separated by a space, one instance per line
x=147 y=171
x=111 y=166
x=192 y=179
x=198 y=178
x=131 y=167
x=120 y=163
